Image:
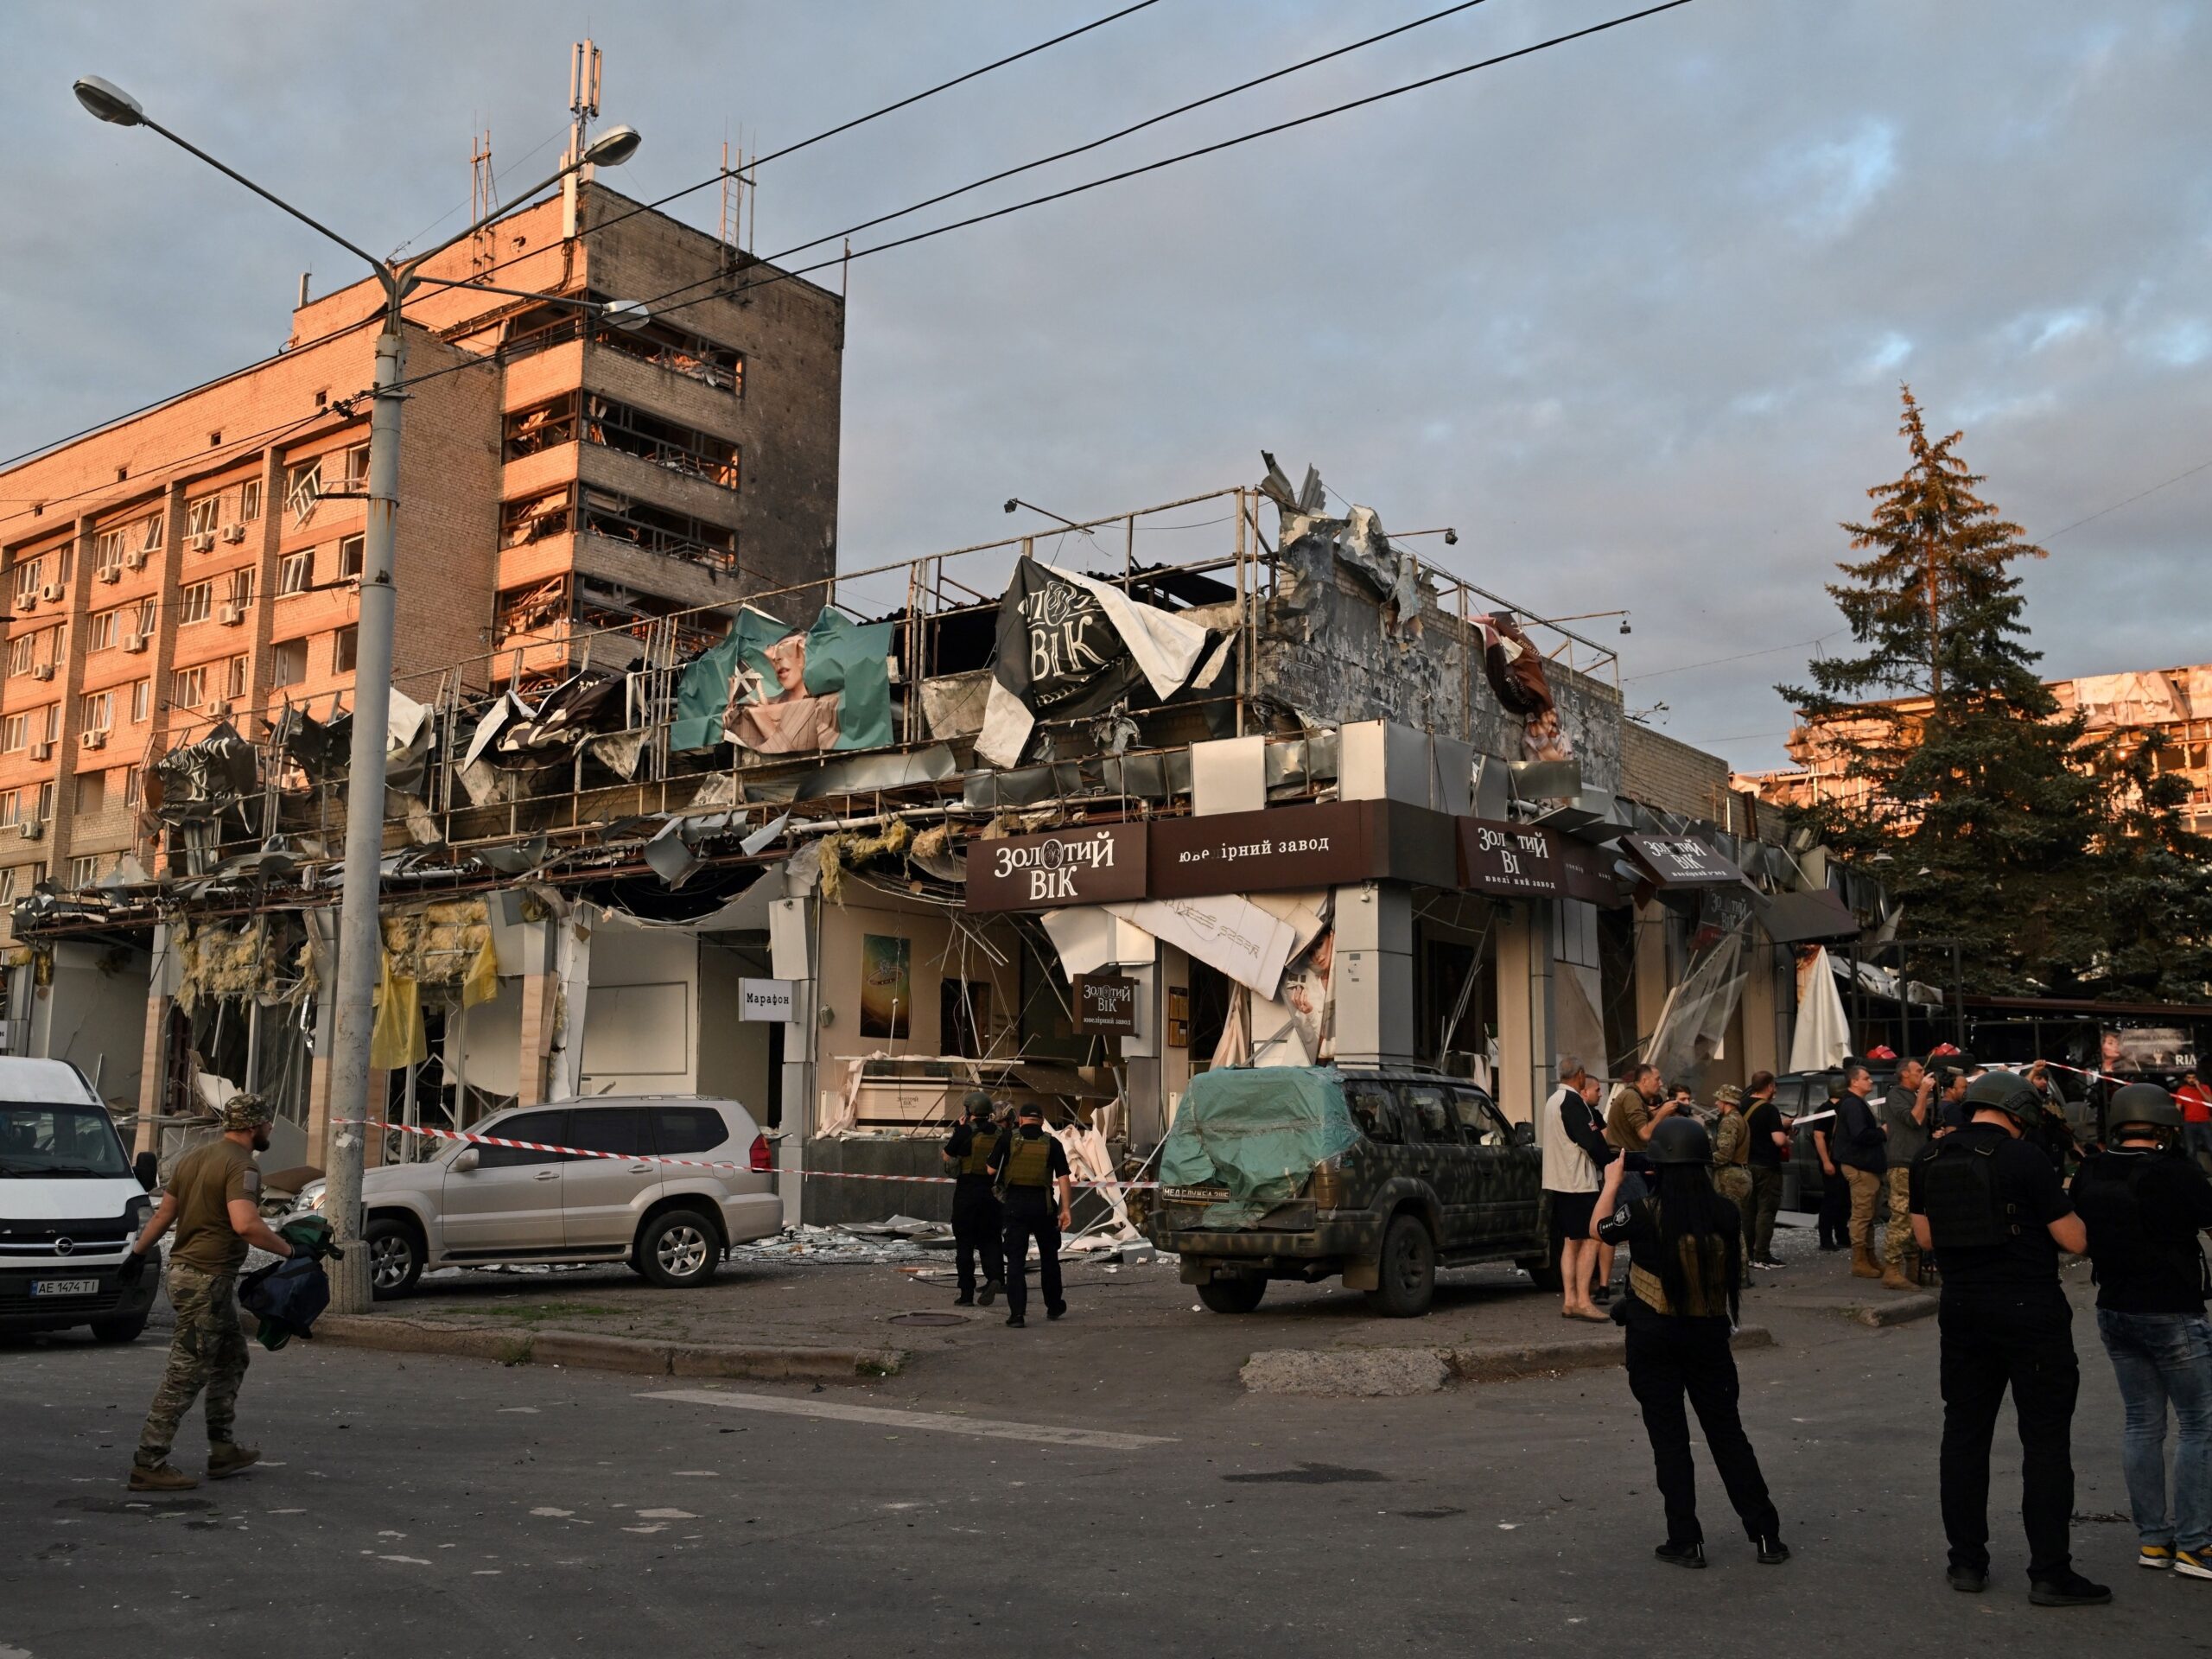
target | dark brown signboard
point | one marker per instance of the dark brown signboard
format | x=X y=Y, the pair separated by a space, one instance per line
x=1106 y=1005
x=1510 y=860
x=1100 y=864
x=1588 y=874
x=1273 y=851
x=1680 y=862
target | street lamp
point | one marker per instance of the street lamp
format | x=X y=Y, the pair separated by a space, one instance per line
x=360 y=946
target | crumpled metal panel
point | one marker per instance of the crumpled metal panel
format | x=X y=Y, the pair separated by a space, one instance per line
x=199 y=782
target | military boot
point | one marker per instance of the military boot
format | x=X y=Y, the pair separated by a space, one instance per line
x=225 y=1459
x=162 y=1477
x=1862 y=1265
x=1894 y=1277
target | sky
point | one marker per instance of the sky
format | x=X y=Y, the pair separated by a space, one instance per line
x=1631 y=313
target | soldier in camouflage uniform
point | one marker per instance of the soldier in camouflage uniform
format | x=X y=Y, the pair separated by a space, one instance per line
x=214 y=1200
x=1731 y=1159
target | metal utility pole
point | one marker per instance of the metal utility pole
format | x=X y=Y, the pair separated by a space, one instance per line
x=361 y=943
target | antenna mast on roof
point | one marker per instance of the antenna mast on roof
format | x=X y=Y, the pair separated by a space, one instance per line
x=733 y=208
x=483 y=200
x=583 y=109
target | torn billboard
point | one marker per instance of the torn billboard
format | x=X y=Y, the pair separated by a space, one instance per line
x=773 y=689
x=1070 y=645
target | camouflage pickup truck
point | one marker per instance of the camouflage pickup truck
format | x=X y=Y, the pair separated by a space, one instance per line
x=1382 y=1176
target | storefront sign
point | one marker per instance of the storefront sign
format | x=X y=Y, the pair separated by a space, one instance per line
x=1273 y=851
x=1105 y=1005
x=766 y=999
x=1680 y=862
x=1510 y=860
x=1062 y=866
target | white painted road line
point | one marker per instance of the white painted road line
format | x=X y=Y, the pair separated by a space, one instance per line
x=984 y=1428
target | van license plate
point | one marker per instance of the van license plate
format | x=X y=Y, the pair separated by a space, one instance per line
x=64 y=1286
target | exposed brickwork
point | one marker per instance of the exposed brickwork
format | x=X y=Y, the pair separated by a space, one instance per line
x=1664 y=772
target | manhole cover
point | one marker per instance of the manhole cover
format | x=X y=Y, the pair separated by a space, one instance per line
x=927 y=1318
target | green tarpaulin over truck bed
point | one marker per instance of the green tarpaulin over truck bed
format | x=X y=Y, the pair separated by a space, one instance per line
x=1259 y=1132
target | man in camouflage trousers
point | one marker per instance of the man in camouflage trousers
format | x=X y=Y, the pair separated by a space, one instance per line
x=214 y=1200
x=1732 y=1158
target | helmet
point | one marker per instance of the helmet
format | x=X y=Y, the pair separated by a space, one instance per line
x=978 y=1104
x=1728 y=1095
x=2145 y=1104
x=2007 y=1092
x=245 y=1112
x=1838 y=1085
x=1681 y=1140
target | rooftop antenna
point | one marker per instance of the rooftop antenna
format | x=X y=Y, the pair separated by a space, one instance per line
x=583 y=108
x=483 y=198
x=733 y=208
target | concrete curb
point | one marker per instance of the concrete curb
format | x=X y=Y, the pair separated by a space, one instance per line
x=589 y=1351
x=1370 y=1372
x=1898 y=1310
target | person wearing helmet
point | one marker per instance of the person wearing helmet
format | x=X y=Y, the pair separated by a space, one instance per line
x=975 y=1218
x=214 y=1200
x=1031 y=1167
x=1686 y=1266
x=2144 y=1203
x=1835 y=1191
x=1991 y=1206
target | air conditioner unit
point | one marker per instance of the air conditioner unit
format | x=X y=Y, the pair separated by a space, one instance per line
x=134 y=643
x=235 y=533
x=31 y=828
x=203 y=541
x=110 y=573
x=135 y=559
x=42 y=671
x=219 y=706
x=230 y=615
x=93 y=738
x=51 y=593
x=26 y=600
x=41 y=751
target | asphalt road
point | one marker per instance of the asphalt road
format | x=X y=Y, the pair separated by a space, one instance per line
x=427 y=1507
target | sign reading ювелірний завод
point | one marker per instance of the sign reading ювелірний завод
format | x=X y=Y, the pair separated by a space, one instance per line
x=1276 y=850
x=1100 y=865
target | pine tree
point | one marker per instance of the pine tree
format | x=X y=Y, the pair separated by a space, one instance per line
x=1975 y=804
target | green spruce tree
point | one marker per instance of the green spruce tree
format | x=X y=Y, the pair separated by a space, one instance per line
x=1966 y=791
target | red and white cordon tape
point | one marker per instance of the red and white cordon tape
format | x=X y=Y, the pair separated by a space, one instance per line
x=686 y=1163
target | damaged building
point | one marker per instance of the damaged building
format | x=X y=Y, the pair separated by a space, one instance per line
x=1089 y=813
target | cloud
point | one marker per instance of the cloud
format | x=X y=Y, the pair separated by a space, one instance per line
x=1631 y=314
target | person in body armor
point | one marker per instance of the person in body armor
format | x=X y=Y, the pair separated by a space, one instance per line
x=2144 y=1203
x=1835 y=1191
x=1032 y=1168
x=1686 y=1254
x=976 y=1219
x=1992 y=1208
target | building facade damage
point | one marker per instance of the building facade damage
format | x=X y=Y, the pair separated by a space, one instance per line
x=1069 y=823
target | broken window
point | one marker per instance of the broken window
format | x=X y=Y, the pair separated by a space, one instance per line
x=134 y=786
x=532 y=608
x=288 y=663
x=618 y=518
x=614 y=425
x=240 y=588
x=29 y=574
x=108 y=553
x=14 y=732
x=21 y=653
x=142 y=699
x=85 y=870
x=678 y=351
x=234 y=679
x=249 y=500
x=8 y=882
x=357 y=467
x=36 y=654
x=523 y=521
x=352 y=554
x=546 y=427
x=200 y=521
x=963 y=1016
x=344 y=645
x=188 y=688
x=51 y=716
x=297 y=574
x=149 y=614
x=11 y=809
x=195 y=603
x=97 y=711
x=302 y=489
x=92 y=792
x=100 y=630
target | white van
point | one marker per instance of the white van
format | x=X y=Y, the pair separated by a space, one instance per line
x=70 y=1206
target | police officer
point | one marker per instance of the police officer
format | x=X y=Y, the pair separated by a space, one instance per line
x=975 y=1218
x=2145 y=1204
x=214 y=1199
x=1686 y=1263
x=1030 y=1166
x=1991 y=1206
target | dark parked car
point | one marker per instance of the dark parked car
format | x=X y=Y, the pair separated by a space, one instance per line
x=1381 y=1176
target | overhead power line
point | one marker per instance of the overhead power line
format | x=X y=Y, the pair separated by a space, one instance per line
x=2191 y=472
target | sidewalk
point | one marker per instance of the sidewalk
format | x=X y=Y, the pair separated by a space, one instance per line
x=1488 y=1323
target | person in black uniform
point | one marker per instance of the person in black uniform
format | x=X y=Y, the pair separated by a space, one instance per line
x=1990 y=1204
x=1032 y=1168
x=1686 y=1256
x=1835 y=1191
x=976 y=1219
x=2145 y=1204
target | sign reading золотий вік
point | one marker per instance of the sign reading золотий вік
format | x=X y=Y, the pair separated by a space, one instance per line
x=1105 y=1005
x=1099 y=865
x=1510 y=859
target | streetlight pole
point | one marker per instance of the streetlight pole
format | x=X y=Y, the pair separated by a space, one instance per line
x=361 y=943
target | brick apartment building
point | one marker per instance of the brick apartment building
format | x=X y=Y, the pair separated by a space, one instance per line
x=2172 y=706
x=187 y=565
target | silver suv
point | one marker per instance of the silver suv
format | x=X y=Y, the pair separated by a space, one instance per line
x=474 y=1206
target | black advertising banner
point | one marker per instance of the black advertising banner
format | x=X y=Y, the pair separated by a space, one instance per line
x=1102 y=865
x=1510 y=860
x=1276 y=850
x=1059 y=651
x=1105 y=1005
x=1680 y=862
